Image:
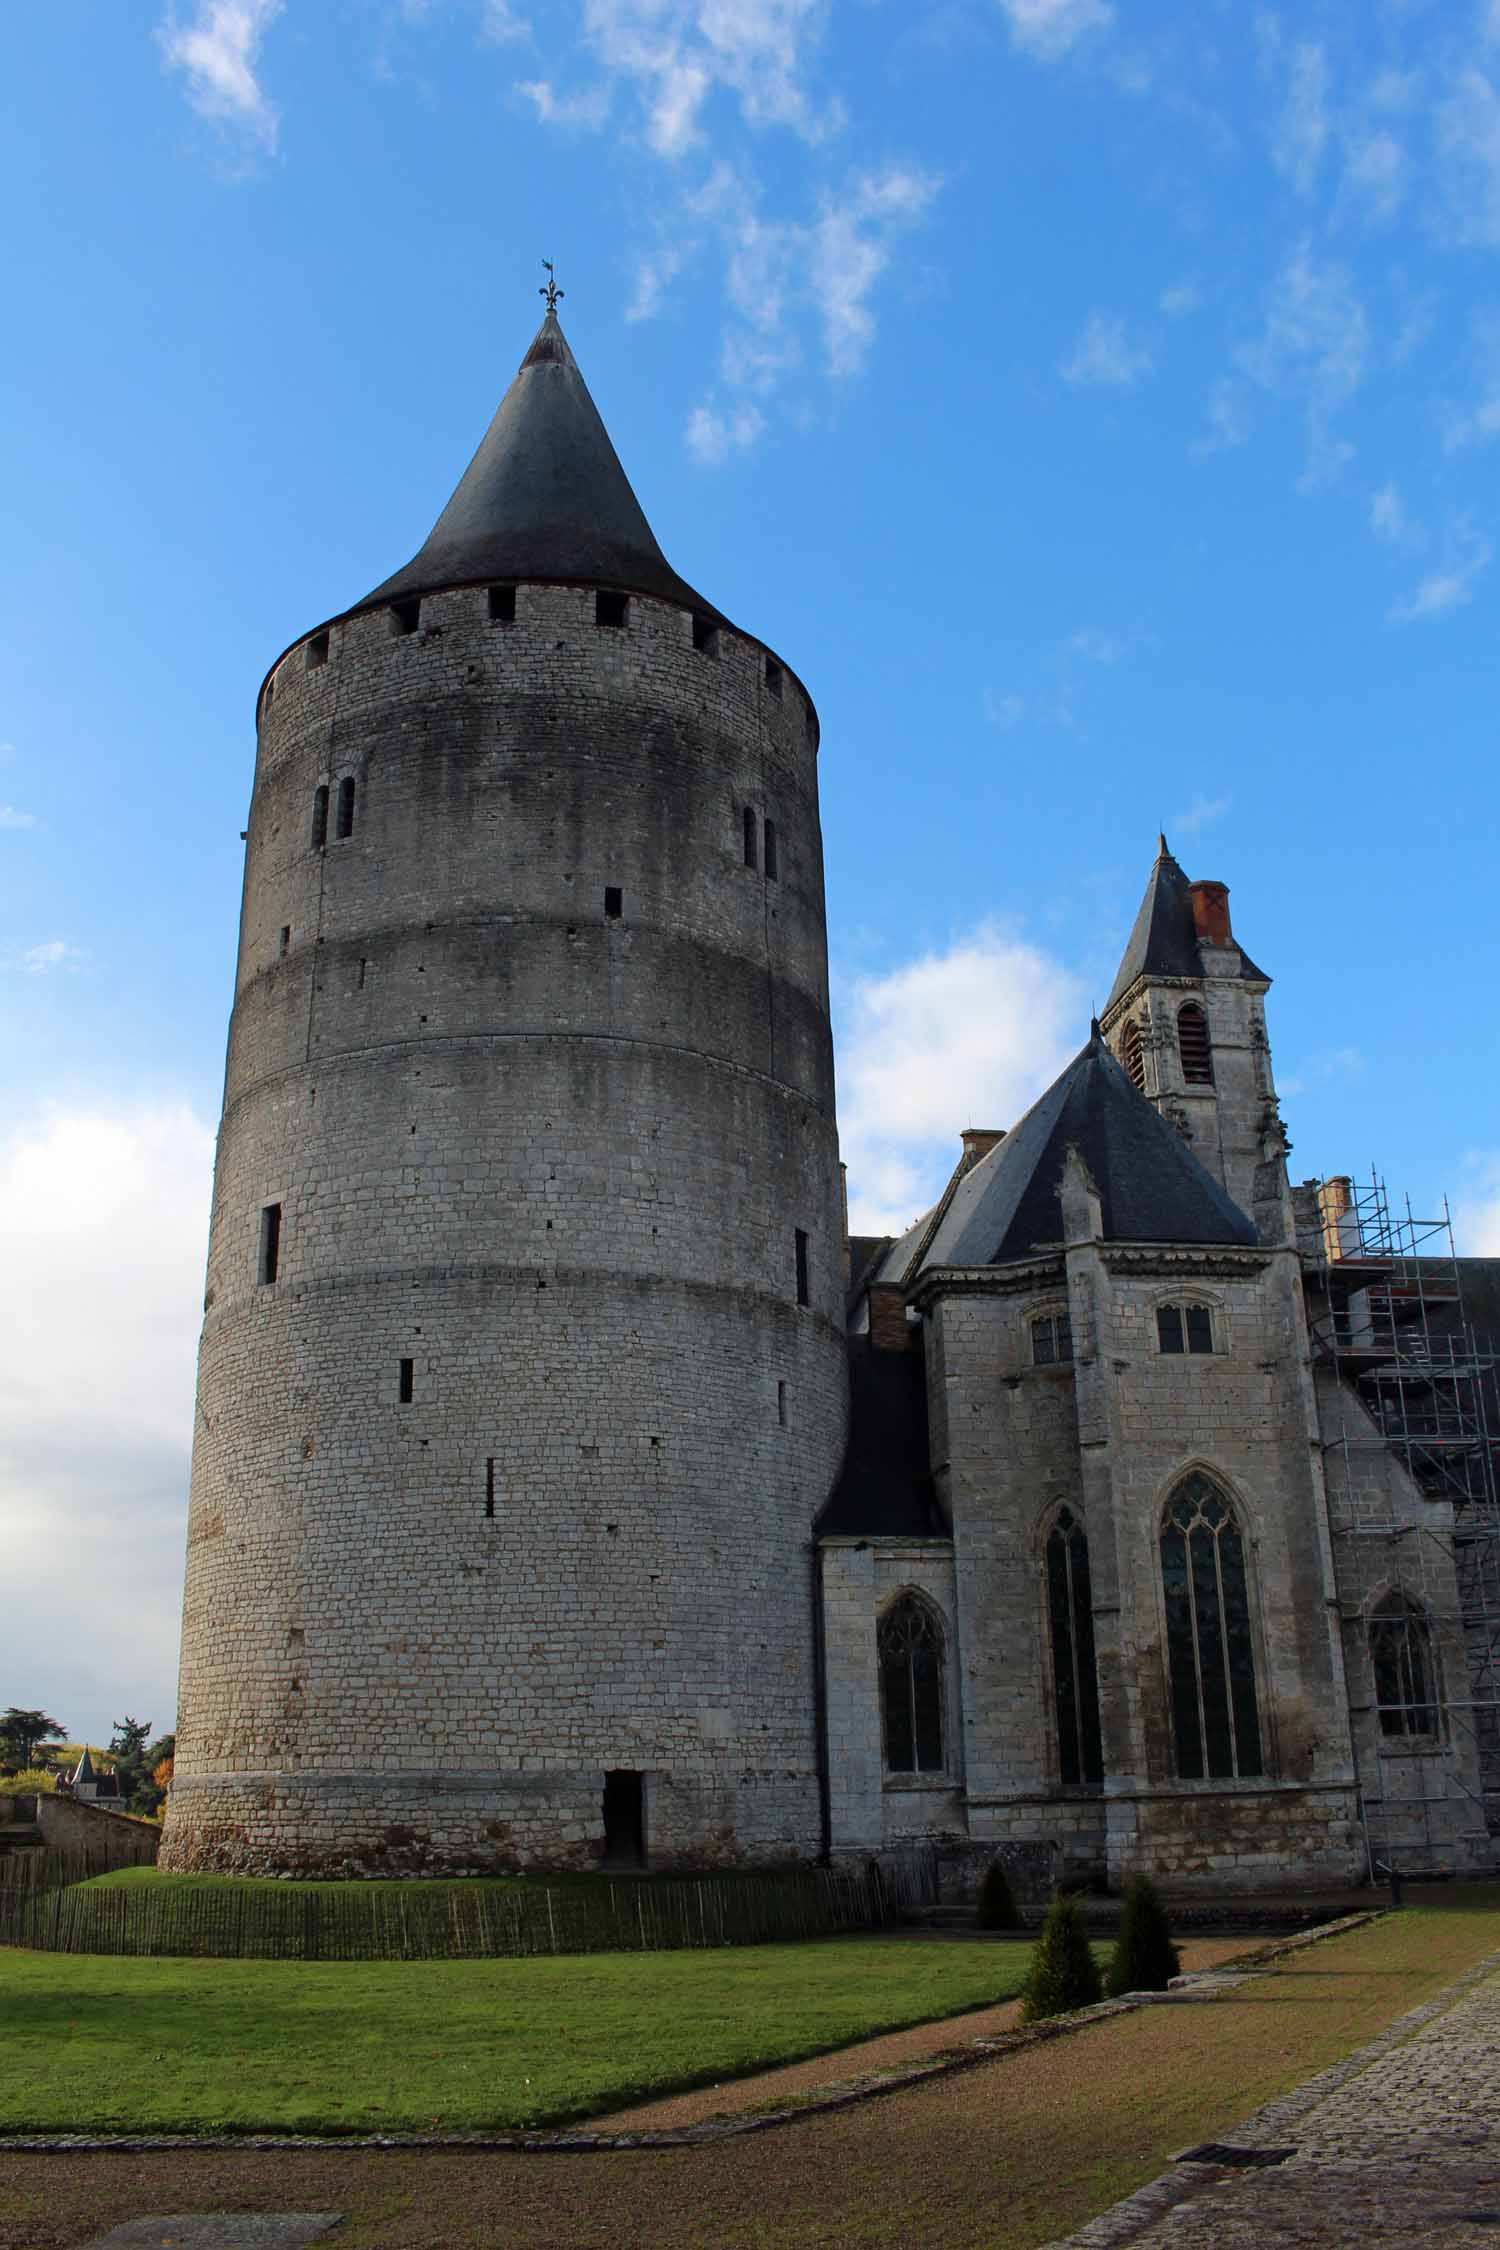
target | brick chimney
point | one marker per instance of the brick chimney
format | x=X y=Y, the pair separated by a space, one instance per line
x=1211 y=913
x=978 y=1141
x=889 y=1328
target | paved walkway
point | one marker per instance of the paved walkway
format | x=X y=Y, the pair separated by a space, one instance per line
x=1398 y=2145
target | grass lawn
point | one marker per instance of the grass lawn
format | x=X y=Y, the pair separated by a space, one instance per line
x=93 y=2042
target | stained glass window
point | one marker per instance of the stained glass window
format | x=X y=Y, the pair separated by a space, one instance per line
x=911 y=1687
x=1405 y=1676
x=1210 y=1659
x=1075 y=1681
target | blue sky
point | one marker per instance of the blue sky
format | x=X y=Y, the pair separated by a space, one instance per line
x=1096 y=403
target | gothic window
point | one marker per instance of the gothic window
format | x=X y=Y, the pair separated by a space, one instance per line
x=911 y=1687
x=1209 y=1655
x=1184 y=1328
x=1051 y=1339
x=1070 y=1617
x=1405 y=1675
x=1193 y=1046
x=1133 y=1055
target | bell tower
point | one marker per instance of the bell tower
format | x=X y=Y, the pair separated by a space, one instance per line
x=1186 y=1019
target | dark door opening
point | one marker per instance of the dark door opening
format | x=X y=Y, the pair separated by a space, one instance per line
x=624 y=1819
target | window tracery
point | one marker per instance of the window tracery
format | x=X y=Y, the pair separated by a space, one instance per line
x=1070 y=1620
x=1210 y=1655
x=910 y=1646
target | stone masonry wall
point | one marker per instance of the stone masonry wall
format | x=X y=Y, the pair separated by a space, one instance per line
x=553 y=1149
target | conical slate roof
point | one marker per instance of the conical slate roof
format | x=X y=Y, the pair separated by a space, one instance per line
x=544 y=498
x=1164 y=941
x=1151 y=1186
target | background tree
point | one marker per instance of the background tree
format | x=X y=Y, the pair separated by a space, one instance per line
x=157 y=1761
x=20 y=1734
x=127 y=1752
x=1064 y=1974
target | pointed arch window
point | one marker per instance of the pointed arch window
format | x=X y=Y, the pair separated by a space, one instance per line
x=1210 y=1656
x=1193 y=1045
x=1405 y=1673
x=910 y=1644
x=1075 y=1680
x=1133 y=1055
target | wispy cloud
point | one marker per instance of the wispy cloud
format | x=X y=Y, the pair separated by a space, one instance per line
x=1003 y=711
x=678 y=54
x=1467 y=137
x=1478 y=423
x=219 y=50
x=52 y=953
x=586 y=110
x=1095 y=647
x=1199 y=814
x=1476 y=1211
x=1049 y=29
x=1301 y=129
x=1388 y=516
x=1314 y=347
x=714 y=433
x=968 y=1034
x=1320 y=1070
x=11 y=816
x=1376 y=172
x=501 y=26
x=1179 y=299
x=1452 y=584
x=1106 y=354
x=1227 y=415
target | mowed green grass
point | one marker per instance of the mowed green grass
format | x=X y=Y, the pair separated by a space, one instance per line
x=97 y=2043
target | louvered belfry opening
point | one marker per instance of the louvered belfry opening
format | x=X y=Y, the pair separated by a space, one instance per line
x=1193 y=1046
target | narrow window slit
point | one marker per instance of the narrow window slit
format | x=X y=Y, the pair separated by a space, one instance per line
x=614 y=902
x=489 y=1486
x=320 y=817
x=270 y=1242
x=803 y=1295
x=345 y=827
x=752 y=855
x=781 y=1403
x=772 y=862
x=404 y=1382
x=283 y=943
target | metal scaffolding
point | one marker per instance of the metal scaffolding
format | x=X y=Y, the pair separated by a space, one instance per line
x=1387 y=1320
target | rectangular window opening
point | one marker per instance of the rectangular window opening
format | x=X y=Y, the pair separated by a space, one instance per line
x=285 y=939
x=489 y=1486
x=270 y=1242
x=614 y=902
x=773 y=678
x=1200 y=1328
x=803 y=1297
x=773 y=865
x=320 y=817
x=610 y=609
x=405 y=617
x=317 y=651
x=1169 y=1327
x=404 y=1382
x=752 y=856
x=705 y=636
x=624 y=1819
x=781 y=1403
x=345 y=827
x=502 y=605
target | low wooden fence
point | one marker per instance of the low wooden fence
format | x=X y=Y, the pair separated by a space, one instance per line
x=379 y=1922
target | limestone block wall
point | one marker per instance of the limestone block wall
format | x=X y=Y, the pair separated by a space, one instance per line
x=506 y=1480
x=868 y=1807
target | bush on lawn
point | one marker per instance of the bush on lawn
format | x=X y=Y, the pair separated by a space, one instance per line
x=1064 y=1974
x=1145 y=1959
x=997 y=1908
x=35 y=1781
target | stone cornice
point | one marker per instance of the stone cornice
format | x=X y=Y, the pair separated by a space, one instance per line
x=1183 y=1257
x=1009 y=1280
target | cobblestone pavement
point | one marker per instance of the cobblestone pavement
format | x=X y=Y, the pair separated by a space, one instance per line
x=1398 y=2145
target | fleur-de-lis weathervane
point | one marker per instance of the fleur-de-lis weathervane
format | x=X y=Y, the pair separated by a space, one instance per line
x=549 y=289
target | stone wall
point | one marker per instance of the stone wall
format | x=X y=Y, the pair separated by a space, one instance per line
x=538 y=1071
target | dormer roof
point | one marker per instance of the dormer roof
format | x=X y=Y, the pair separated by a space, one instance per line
x=544 y=498
x=1151 y=1186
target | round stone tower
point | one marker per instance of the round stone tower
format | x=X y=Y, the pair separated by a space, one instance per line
x=522 y=1375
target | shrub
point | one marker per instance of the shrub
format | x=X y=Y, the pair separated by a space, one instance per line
x=35 y=1780
x=1145 y=1959
x=996 y=1906
x=1064 y=1974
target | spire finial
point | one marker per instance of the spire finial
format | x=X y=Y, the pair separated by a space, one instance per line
x=549 y=289
x=1162 y=851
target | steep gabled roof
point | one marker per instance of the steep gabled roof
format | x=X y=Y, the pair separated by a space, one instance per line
x=1151 y=1186
x=1164 y=941
x=544 y=498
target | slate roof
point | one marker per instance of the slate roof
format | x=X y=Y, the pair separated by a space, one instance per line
x=1151 y=1186
x=884 y=1488
x=544 y=498
x=1163 y=941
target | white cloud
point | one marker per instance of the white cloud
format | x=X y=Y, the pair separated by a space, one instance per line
x=1199 y=814
x=1227 y=412
x=501 y=26
x=52 y=953
x=1106 y=354
x=1467 y=138
x=851 y=248
x=1388 y=516
x=1452 y=584
x=969 y=1035
x=714 y=432
x=1375 y=173
x=1479 y=422
x=678 y=53
x=1301 y=130
x=1095 y=647
x=1314 y=346
x=654 y=275
x=11 y=816
x=1476 y=1212
x=104 y=1216
x=1179 y=299
x=220 y=50
x=586 y=110
x=1048 y=29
